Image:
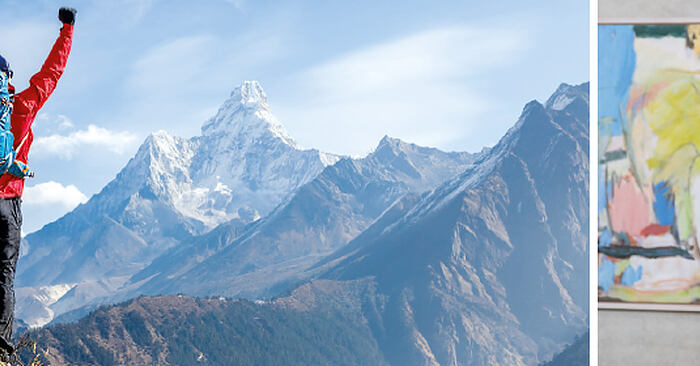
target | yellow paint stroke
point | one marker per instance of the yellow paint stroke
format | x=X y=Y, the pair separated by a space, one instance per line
x=628 y=294
x=674 y=116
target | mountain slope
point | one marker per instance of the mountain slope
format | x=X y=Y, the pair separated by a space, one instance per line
x=575 y=354
x=490 y=267
x=176 y=330
x=322 y=216
x=241 y=167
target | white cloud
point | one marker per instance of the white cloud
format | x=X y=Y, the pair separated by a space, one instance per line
x=171 y=66
x=65 y=146
x=434 y=55
x=177 y=67
x=64 y=122
x=52 y=193
x=45 y=123
x=187 y=78
x=423 y=88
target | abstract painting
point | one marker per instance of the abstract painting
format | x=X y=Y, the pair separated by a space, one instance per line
x=649 y=163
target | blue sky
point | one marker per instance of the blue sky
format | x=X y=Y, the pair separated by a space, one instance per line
x=339 y=75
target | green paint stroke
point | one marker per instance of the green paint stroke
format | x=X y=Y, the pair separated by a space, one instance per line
x=659 y=31
x=684 y=201
x=610 y=156
x=628 y=294
x=620 y=266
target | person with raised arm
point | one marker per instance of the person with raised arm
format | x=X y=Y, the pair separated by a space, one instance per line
x=17 y=113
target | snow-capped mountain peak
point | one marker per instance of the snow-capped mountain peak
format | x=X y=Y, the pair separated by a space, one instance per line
x=388 y=142
x=162 y=142
x=250 y=94
x=388 y=145
x=247 y=115
x=567 y=94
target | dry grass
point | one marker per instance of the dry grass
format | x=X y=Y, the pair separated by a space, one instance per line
x=25 y=344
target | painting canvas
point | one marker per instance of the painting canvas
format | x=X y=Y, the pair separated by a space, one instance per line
x=649 y=163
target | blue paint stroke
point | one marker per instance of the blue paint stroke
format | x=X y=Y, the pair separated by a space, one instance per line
x=622 y=238
x=606 y=274
x=630 y=275
x=602 y=189
x=663 y=204
x=616 y=63
x=606 y=238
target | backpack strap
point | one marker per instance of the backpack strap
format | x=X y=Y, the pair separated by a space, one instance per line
x=7 y=103
x=9 y=158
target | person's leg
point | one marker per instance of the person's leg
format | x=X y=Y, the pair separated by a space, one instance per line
x=10 y=237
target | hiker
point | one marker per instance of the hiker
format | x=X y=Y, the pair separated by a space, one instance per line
x=24 y=107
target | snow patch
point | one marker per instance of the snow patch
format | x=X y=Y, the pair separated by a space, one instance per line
x=328 y=159
x=561 y=102
x=223 y=189
x=33 y=304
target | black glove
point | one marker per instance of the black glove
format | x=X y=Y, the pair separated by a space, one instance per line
x=67 y=15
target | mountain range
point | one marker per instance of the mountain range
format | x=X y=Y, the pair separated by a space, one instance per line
x=488 y=268
x=447 y=258
x=241 y=167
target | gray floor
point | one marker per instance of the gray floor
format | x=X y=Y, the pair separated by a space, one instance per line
x=648 y=338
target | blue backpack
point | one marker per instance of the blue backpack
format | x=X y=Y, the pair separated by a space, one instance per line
x=8 y=164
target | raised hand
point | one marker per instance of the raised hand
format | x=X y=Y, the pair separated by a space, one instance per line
x=67 y=15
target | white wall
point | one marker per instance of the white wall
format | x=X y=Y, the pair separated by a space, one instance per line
x=648 y=9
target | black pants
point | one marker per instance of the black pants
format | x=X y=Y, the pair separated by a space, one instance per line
x=10 y=237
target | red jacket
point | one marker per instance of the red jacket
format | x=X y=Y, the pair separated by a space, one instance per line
x=28 y=103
